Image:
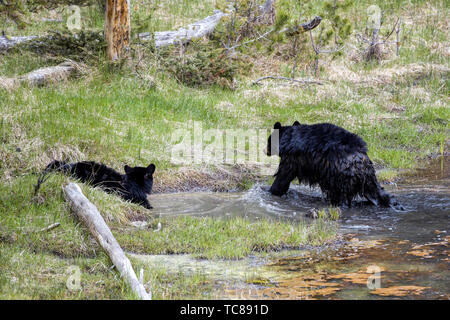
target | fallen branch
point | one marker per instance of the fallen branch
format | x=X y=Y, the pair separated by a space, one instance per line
x=195 y=30
x=50 y=227
x=46 y=229
x=90 y=216
x=9 y=42
x=252 y=40
x=41 y=76
x=304 y=81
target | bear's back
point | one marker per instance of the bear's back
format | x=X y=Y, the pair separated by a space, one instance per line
x=320 y=138
x=96 y=173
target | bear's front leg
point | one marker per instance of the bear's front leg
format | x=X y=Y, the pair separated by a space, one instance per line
x=284 y=176
x=146 y=204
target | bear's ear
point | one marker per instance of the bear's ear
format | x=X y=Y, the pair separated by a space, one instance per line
x=277 y=126
x=151 y=168
x=127 y=169
x=296 y=123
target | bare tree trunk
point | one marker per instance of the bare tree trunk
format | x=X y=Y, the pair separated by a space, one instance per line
x=87 y=213
x=117 y=28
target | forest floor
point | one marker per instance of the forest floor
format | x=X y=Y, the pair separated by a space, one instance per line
x=399 y=106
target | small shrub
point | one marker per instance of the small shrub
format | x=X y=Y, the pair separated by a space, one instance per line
x=84 y=46
x=203 y=67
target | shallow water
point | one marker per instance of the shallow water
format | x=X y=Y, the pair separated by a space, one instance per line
x=411 y=248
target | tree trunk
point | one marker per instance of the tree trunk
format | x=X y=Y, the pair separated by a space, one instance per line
x=117 y=28
x=89 y=215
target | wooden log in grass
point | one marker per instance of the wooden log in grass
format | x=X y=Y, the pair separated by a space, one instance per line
x=10 y=42
x=41 y=76
x=117 y=30
x=87 y=213
x=195 y=30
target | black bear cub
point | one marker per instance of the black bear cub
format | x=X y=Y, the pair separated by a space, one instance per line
x=329 y=156
x=134 y=185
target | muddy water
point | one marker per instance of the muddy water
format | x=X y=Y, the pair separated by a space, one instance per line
x=381 y=253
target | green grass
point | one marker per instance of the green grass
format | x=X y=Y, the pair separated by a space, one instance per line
x=233 y=238
x=387 y=175
x=29 y=275
x=25 y=274
x=34 y=264
x=112 y=116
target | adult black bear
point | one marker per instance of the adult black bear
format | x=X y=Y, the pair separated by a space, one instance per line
x=329 y=156
x=134 y=185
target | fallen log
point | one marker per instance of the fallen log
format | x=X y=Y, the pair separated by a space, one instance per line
x=206 y=26
x=87 y=213
x=9 y=42
x=195 y=30
x=41 y=76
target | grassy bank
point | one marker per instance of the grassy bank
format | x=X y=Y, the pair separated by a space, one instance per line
x=37 y=264
x=399 y=105
x=233 y=238
x=26 y=274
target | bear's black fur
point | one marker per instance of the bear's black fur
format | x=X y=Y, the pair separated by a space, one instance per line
x=329 y=156
x=134 y=185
